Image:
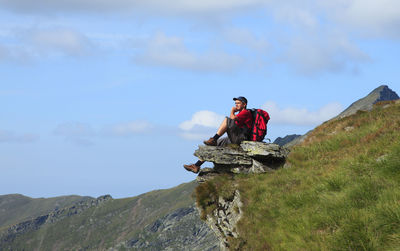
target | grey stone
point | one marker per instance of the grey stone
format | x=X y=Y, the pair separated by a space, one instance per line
x=224 y=218
x=206 y=174
x=250 y=157
x=222 y=155
x=258 y=167
x=264 y=151
x=179 y=230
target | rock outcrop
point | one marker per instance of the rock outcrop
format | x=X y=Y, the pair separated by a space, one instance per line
x=224 y=218
x=249 y=157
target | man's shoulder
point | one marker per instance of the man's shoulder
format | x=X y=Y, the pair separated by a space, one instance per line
x=244 y=113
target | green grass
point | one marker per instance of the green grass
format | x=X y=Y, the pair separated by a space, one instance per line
x=342 y=191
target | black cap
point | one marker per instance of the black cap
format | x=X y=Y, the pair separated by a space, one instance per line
x=243 y=99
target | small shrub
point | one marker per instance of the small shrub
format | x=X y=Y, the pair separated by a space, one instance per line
x=207 y=193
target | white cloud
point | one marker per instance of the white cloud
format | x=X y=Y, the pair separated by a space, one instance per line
x=66 y=41
x=371 y=17
x=195 y=135
x=84 y=134
x=202 y=118
x=3 y=53
x=11 y=137
x=246 y=38
x=331 y=53
x=105 y=6
x=170 y=51
x=131 y=128
x=306 y=37
x=301 y=16
x=74 y=129
x=26 y=45
x=201 y=125
x=78 y=133
x=14 y=54
x=301 y=116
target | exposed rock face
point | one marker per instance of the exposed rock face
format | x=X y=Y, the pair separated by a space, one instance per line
x=225 y=217
x=179 y=230
x=249 y=157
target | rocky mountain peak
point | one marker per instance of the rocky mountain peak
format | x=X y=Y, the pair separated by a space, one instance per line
x=382 y=93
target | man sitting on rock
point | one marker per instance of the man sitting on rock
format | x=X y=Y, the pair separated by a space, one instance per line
x=237 y=127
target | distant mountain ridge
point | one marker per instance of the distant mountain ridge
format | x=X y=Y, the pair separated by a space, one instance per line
x=158 y=220
x=283 y=141
x=381 y=93
x=16 y=208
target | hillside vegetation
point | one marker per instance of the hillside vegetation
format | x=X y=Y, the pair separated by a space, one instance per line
x=341 y=190
x=16 y=208
x=144 y=222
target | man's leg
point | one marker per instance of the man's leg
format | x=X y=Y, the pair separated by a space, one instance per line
x=223 y=141
x=223 y=127
x=221 y=130
x=194 y=167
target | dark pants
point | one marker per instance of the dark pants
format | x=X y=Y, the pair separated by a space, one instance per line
x=235 y=133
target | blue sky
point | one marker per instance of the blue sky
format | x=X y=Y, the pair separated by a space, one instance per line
x=113 y=97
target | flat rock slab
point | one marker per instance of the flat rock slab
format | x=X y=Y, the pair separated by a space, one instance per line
x=249 y=157
x=262 y=150
x=223 y=155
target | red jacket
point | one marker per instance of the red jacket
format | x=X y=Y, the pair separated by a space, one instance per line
x=244 y=118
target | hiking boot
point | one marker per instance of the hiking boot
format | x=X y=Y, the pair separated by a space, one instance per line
x=192 y=168
x=210 y=142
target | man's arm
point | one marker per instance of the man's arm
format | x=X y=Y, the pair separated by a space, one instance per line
x=233 y=110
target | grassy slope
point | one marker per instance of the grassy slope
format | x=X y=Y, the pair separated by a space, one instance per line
x=107 y=225
x=342 y=191
x=16 y=208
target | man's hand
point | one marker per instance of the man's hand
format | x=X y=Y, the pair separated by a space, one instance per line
x=233 y=110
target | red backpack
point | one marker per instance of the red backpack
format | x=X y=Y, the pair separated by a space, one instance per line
x=260 y=121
